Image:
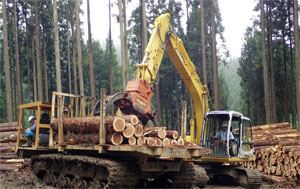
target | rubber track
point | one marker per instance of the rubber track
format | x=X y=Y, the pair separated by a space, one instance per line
x=190 y=175
x=254 y=177
x=121 y=174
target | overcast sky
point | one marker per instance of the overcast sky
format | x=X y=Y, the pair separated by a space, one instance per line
x=236 y=15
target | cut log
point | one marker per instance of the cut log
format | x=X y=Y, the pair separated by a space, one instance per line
x=133 y=119
x=155 y=132
x=139 y=130
x=180 y=142
x=149 y=141
x=7 y=134
x=12 y=161
x=166 y=142
x=157 y=141
x=7 y=129
x=140 y=141
x=172 y=134
x=10 y=167
x=8 y=156
x=270 y=126
x=173 y=142
x=115 y=139
x=81 y=138
x=129 y=130
x=11 y=138
x=289 y=143
x=132 y=140
x=265 y=142
x=9 y=144
x=89 y=124
x=9 y=124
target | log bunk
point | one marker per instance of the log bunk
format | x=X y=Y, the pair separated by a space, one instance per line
x=276 y=152
x=8 y=139
x=120 y=130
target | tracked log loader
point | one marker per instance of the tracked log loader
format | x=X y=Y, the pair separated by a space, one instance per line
x=81 y=157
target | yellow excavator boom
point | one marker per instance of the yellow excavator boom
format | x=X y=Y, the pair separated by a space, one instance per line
x=162 y=39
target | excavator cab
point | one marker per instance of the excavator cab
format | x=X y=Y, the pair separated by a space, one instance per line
x=227 y=134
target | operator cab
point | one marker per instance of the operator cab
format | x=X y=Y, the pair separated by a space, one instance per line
x=227 y=134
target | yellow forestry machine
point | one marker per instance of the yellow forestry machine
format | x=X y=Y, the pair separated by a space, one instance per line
x=73 y=145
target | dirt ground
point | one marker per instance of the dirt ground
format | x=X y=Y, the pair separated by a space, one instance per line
x=22 y=180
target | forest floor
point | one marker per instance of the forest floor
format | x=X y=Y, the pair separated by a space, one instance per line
x=22 y=180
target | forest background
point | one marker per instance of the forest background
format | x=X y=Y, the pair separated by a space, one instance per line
x=43 y=50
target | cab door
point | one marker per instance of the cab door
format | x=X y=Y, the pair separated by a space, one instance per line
x=246 y=147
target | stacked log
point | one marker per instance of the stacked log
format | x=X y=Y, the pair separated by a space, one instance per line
x=8 y=139
x=124 y=129
x=276 y=151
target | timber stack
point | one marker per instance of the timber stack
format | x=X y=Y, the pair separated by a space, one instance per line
x=124 y=129
x=8 y=139
x=276 y=151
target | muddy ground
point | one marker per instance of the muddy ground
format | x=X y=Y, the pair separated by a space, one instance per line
x=22 y=180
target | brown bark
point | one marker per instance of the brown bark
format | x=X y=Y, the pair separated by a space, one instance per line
x=45 y=71
x=129 y=130
x=81 y=84
x=92 y=77
x=89 y=124
x=172 y=134
x=68 y=49
x=8 y=91
x=6 y=129
x=7 y=155
x=34 y=72
x=9 y=144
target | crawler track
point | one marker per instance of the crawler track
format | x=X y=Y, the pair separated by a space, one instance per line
x=249 y=178
x=76 y=171
x=190 y=175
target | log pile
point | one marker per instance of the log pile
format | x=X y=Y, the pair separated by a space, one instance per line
x=124 y=129
x=8 y=139
x=276 y=151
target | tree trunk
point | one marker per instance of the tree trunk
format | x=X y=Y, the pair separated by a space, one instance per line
x=265 y=66
x=292 y=65
x=27 y=57
x=123 y=56
x=56 y=44
x=272 y=66
x=18 y=71
x=6 y=65
x=297 y=60
x=45 y=71
x=34 y=72
x=125 y=41
x=214 y=56
x=110 y=53
x=143 y=28
x=69 y=53
x=74 y=59
x=286 y=85
x=81 y=84
x=203 y=49
x=92 y=78
x=38 y=53
x=157 y=97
